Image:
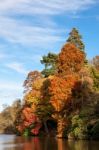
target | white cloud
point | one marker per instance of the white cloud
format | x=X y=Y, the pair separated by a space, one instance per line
x=17 y=32
x=18 y=67
x=35 y=7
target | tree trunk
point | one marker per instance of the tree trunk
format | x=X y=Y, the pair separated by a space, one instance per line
x=46 y=128
x=61 y=125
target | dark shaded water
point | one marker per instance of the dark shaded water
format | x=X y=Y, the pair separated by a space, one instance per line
x=11 y=142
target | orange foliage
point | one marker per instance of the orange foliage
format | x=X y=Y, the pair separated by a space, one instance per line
x=61 y=91
x=70 y=59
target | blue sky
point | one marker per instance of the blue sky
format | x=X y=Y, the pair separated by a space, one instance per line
x=32 y=28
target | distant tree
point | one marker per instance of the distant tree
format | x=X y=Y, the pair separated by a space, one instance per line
x=95 y=75
x=50 y=64
x=8 y=117
x=76 y=39
x=96 y=62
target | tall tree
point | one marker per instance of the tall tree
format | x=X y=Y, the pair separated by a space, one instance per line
x=61 y=99
x=76 y=39
x=70 y=62
x=70 y=59
x=35 y=96
x=50 y=64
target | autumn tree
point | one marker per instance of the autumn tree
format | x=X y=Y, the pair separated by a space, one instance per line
x=50 y=64
x=8 y=117
x=44 y=108
x=84 y=87
x=70 y=59
x=70 y=62
x=28 y=123
x=34 y=96
x=61 y=99
x=96 y=62
x=27 y=117
x=31 y=78
x=95 y=76
x=32 y=86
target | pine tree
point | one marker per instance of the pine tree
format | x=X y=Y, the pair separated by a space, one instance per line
x=50 y=64
x=76 y=39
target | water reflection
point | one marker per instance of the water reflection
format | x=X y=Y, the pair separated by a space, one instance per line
x=10 y=142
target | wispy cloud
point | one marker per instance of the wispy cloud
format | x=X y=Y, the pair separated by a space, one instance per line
x=18 y=67
x=43 y=7
x=18 y=31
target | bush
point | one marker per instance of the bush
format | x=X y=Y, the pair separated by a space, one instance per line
x=79 y=127
x=95 y=131
x=26 y=133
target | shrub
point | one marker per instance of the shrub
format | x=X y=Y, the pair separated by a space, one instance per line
x=95 y=131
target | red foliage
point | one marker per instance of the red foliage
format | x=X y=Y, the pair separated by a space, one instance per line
x=35 y=131
x=28 y=119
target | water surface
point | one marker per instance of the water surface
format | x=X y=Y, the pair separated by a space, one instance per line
x=12 y=142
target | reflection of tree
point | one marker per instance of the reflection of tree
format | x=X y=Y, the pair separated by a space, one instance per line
x=63 y=144
x=60 y=144
x=78 y=145
x=34 y=144
x=23 y=143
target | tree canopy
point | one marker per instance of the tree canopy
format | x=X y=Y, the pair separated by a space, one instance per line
x=50 y=64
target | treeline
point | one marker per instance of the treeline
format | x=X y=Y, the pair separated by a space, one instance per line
x=8 y=117
x=63 y=99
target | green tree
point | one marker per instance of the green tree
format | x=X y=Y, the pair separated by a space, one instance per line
x=95 y=76
x=50 y=64
x=76 y=39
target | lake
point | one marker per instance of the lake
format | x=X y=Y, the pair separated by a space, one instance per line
x=12 y=142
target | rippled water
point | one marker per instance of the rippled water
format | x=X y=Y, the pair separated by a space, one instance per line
x=11 y=142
